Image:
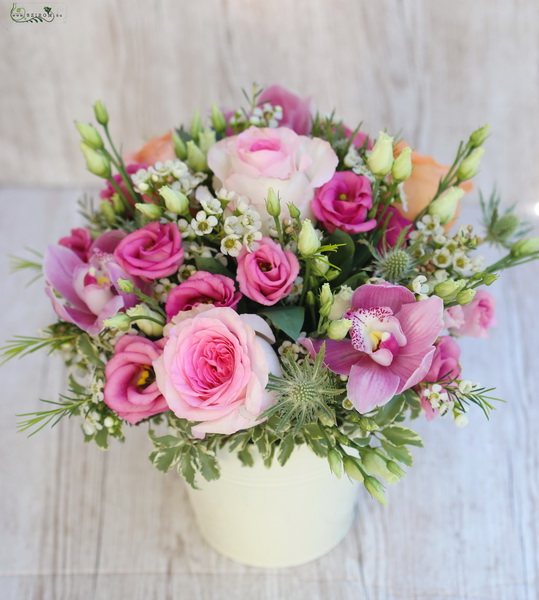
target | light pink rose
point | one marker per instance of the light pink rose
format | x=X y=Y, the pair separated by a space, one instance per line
x=151 y=252
x=80 y=242
x=130 y=387
x=266 y=275
x=296 y=110
x=258 y=159
x=474 y=319
x=202 y=288
x=215 y=367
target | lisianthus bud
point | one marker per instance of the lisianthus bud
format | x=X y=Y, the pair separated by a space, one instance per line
x=341 y=303
x=335 y=462
x=294 y=211
x=118 y=204
x=469 y=167
x=394 y=468
x=150 y=211
x=273 y=204
x=101 y=113
x=368 y=424
x=195 y=157
x=310 y=299
x=447 y=290
x=90 y=135
x=375 y=489
x=319 y=266
x=180 y=148
x=217 y=119
x=479 y=136
x=326 y=300
x=446 y=205
x=525 y=247
x=489 y=278
x=175 y=201
x=380 y=158
x=206 y=139
x=120 y=321
x=196 y=125
x=308 y=242
x=147 y=326
x=96 y=162
x=107 y=211
x=337 y=330
x=126 y=286
x=466 y=296
x=377 y=466
x=402 y=167
x=351 y=468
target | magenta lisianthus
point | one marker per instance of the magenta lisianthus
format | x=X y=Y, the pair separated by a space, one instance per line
x=296 y=110
x=266 y=275
x=394 y=223
x=391 y=346
x=109 y=190
x=151 y=252
x=359 y=139
x=202 y=288
x=215 y=367
x=87 y=293
x=344 y=202
x=130 y=386
x=473 y=319
x=79 y=241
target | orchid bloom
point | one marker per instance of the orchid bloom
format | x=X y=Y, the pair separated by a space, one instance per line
x=391 y=346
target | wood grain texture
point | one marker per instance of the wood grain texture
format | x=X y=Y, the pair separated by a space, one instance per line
x=79 y=523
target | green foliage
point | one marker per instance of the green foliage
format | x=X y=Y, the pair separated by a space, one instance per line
x=212 y=265
x=288 y=319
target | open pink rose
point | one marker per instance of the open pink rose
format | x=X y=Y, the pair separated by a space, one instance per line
x=130 y=387
x=215 y=367
x=151 y=252
x=258 y=159
x=266 y=275
x=80 y=241
x=202 y=288
x=344 y=202
x=296 y=110
x=473 y=319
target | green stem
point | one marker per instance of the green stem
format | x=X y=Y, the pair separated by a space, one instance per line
x=120 y=165
x=127 y=205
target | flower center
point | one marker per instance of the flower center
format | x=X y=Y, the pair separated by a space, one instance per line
x=145 y=377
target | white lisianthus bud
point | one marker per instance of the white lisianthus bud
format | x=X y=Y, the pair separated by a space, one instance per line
x=150 y=211
x=377 y=466
x=120 y=321
x=206 y=140
x=101 y=113
x=294 y=211
x=402 y=167
x=447 y=290
x=96 y=162
x=326 y=300
x=195 y=157
x=175 y=201
x=341 y=303
x=90 y=135
x=466 y=296
x=147 y=326
x=380 y=159
x=126 y=286
x=196 y=125
x=107 y=210
x=446 y=205
x=308 y=242
x=320 y=266
x=273 y=204
x=337 y=330
x=469 y=167
x=479 y=136
x=461 y=420
x=179 y=146
x=525 y=247
x=217 y=119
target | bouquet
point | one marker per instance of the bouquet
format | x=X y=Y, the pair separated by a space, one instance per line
x=268 y=278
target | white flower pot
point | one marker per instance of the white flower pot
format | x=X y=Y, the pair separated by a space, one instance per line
x=277 y=517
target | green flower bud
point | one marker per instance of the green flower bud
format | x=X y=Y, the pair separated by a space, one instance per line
x=294 y=211
x=196 y=125
x=148 y=327
x=447 y=290
x=105 y=208
x=402 y=167
x=120 y=321
x=151 y=211
x=489 y=278
x=206 y=140
x=176 y=202
x=195 y=157
x=90 y=135
x=377 y=466
x=326 y=300
x=469 y=167
x=308 y=242
x=351 y=468
x=525 y=247
x=332 y=274
x=375 y=489
x=341 y=302
x=319 y=266
x=380 y=159
x=273 y=203
x=335 y=462
x=368 y=424
x=217 y=119
x=446 y=205
x=394 y=468
x=101 y=114
x=126 y=286
x=179 y=146
x=337 y=330
x=466 y=296
x=96 y=162
x=479 y=136
x=310 y=298
x=118 y=204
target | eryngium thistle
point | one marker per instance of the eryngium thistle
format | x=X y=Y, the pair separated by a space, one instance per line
x=395 y=266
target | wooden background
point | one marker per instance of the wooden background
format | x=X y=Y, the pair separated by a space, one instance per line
x=79 y=523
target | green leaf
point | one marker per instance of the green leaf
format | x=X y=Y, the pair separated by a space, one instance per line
x=209 y=467
x=399 y=453
x=163 y=459
x=313 y=431
x=168 y=441
x=246 y=457
x=263 y=446
x=343 y=257
x=288 y=319
x=101 y=438
x=186 y=468
x=87 y=349
x=212 y=265
x=317 y=447
x=401 y=436
x=389 y=412
x=285 y=449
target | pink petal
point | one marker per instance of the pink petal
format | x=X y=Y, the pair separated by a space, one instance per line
x=412 y=369
x=340 y=356
x=422 y=322
x=59 y=266
x=371 y=385
x=382 y=294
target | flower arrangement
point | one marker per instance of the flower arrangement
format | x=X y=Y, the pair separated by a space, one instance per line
x=269 y=278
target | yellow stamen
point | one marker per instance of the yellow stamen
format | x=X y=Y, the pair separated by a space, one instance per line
x=102 y=281
x=343 y=197
x=376 y=338
x=144 y=376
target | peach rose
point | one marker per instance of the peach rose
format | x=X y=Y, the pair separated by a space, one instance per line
x=158 y=149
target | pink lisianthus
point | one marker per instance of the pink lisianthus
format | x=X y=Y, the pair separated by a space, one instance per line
x=344 y=202
x=261 y=158
x=80 y=242
x=266 y=275
x=214 y=369
x=88 y=291
x=296 y=110
x=474 y=319
x=130 y=387
x=151 y=252
x=392 y=343
x=109 y=190
x=394 y=222
x=445 y=367
x=359 y=138
x=202 y=288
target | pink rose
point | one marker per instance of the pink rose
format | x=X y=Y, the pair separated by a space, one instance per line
x=109 y=190
x=79 y=242
x=266 y=275
x=202 y=288
x=296 y=111
x=344 y=202
x=445 y=366
x=130 y=387
x=151 y=252
x=257 y=159
x=475 y=318
x=215 y=367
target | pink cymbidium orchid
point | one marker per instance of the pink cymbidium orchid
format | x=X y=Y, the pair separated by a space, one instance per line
x=391 y=346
